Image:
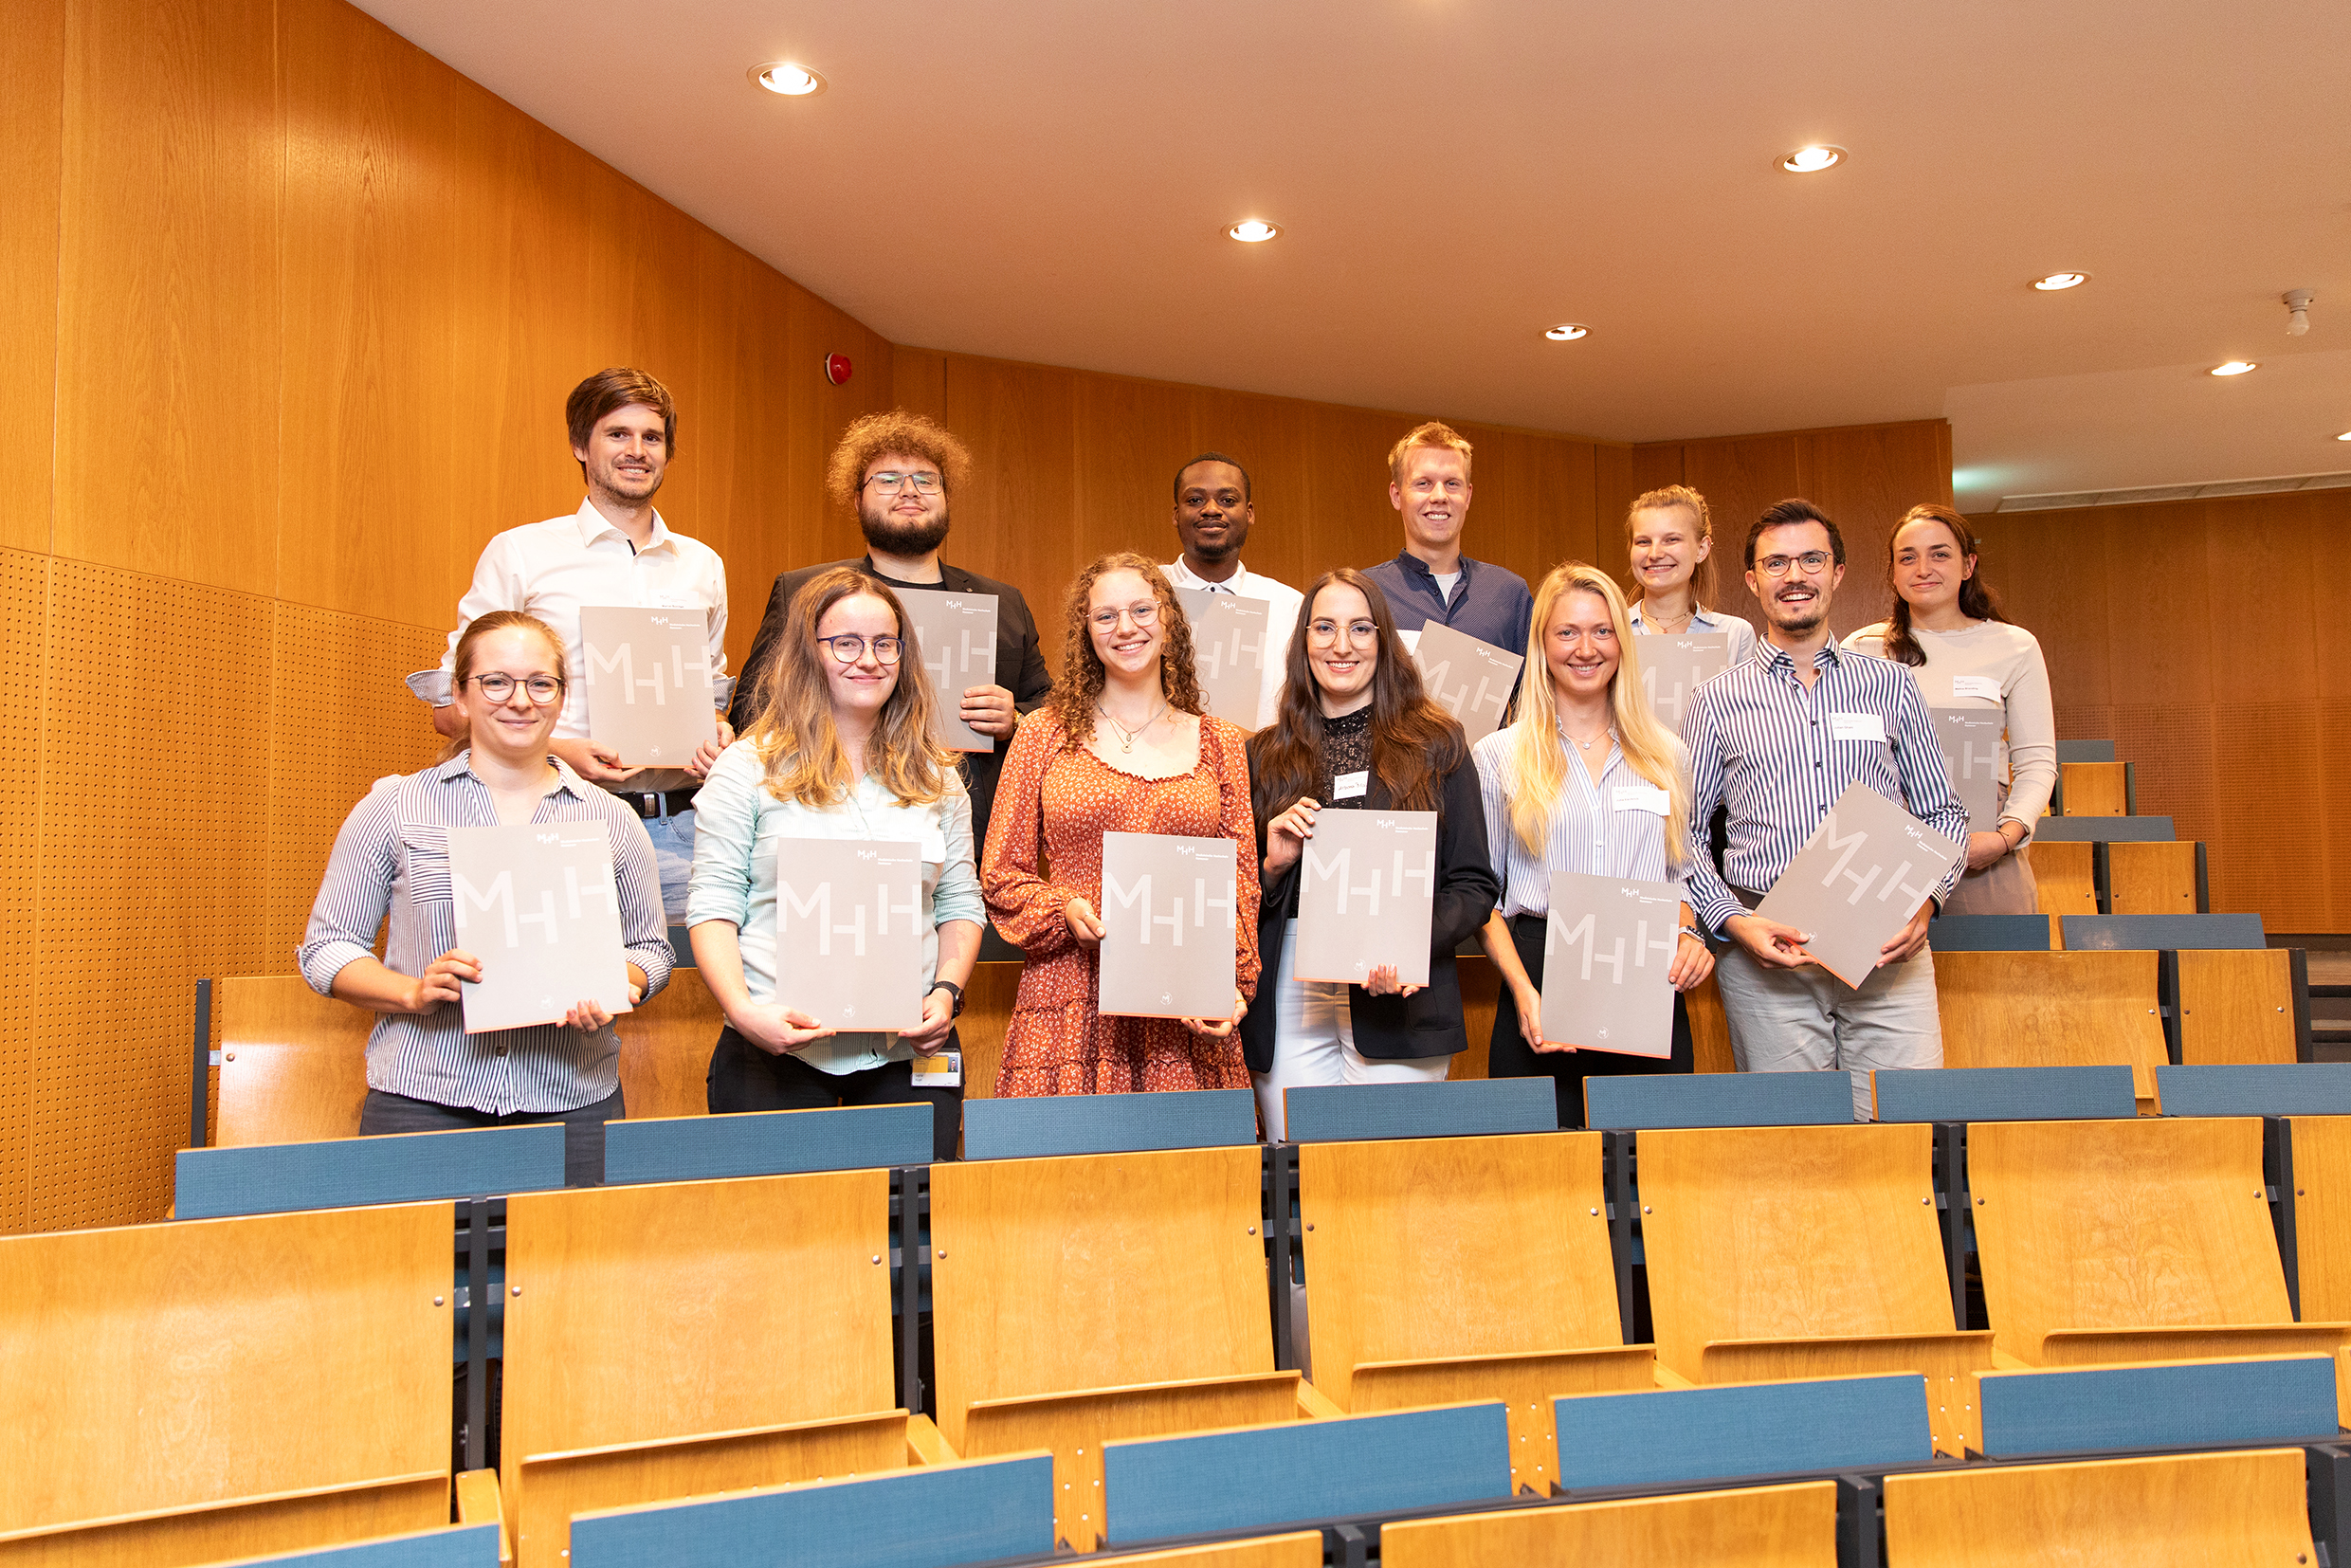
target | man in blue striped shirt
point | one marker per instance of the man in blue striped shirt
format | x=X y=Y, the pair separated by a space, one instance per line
x=1776 y=741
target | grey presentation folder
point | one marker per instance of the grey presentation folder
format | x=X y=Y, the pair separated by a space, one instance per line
x=1608 y=944
x=1470 y=680
x=1167 y=912
x=535 y=903
x=1858 y=879
x=1228 y=643
x=955 y=644
x=849 y=932
x=1366 y=895
x=650 y=697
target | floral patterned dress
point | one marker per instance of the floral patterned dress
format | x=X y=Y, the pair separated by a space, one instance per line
x=1045 y=848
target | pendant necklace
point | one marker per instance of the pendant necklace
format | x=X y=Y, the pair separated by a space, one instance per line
x=1126 y=736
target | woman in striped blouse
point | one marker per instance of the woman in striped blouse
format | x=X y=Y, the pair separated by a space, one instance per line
x=425 y=1072
x=1583 y=779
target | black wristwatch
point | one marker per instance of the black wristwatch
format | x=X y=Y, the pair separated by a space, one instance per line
x=954 y=989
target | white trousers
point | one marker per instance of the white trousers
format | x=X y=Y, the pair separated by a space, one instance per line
x=1807 y=1020
x=1314 y=1043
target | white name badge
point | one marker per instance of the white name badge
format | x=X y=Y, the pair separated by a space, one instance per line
x=1976 y=685
x=1644 y=797
x=1857 y=726
x=1349 y=786
x=942 y=1071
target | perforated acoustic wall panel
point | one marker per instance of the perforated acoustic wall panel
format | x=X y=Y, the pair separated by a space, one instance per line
x=24 y=602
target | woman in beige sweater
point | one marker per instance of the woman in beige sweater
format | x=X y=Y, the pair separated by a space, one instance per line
x=1965 y=655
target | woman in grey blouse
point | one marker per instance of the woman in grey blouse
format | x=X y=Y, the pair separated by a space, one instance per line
x=425 y=1072
x=840 y=749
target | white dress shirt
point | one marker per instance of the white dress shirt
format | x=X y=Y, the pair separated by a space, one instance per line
x=554 y=569
x=1281 y=602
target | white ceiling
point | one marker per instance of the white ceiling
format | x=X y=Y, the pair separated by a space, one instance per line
x=1048 y=180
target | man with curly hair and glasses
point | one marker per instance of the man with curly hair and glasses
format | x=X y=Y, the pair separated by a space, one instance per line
x=898 y=471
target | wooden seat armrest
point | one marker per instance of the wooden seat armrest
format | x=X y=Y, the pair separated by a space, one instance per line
x=925 y=1446
x=1314 y=1404
x=1668 y=1377
x=2003 y=1361
x=477 y=1503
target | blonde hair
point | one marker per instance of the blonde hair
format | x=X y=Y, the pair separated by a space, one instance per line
x=1434 y=433
x=793 y=734
x=1702 y=575
x=1541 y=759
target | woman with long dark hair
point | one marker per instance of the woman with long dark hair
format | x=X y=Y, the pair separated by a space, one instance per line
x=840 y=749
x=1124 y=744
x=1355 y=731
x=1948 y=629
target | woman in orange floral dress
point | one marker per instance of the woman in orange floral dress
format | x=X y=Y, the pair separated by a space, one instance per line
x=1123 y=746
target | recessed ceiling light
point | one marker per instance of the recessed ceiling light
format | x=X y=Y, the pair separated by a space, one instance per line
x=2236 y=366
x=2345 y=436
x=2056 y=280
x=1253 y=230
x=1566 y=332
x=782 y=76
x=1811 y=160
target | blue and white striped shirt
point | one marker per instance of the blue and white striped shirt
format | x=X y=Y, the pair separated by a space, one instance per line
x=394 y=853
x=1593 y=830
x=1763 y=745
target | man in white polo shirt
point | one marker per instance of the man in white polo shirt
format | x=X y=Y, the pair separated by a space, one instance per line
x=615 y=550
x=1212 y=517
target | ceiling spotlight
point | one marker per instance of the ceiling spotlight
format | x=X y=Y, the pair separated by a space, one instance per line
x=1253 y=230
x=2236 y=366
x=2297 y=313
x=2056 y=280
x=2345 y=436
x=782 y=76
x=1811 y=160
x=1566 y=332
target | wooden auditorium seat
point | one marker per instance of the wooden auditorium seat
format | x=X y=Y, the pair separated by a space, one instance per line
x=1081 y=1298
x=2237 y=995
x=2155 y=879
x=2064 y=876
x=199 y=1389
x=1802 y=1252
x=455 y=1546
x=1458 y=1268
x=2096 y=788
x=1791 y=1526
x=2048 y=1010
x=2048 y=1413
x=2147 y=1240
x=345 y=1173
x=294 y=1063
x=1672 y=1437
x=667 y=1339
x=2247 y=1507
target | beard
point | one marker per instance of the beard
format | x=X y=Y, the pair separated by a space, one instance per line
x=886 y=534
x=1800 y=619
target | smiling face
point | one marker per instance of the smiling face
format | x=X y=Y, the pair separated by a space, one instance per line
x=860 y=687
x=1665 y=547
x=1212 y=512
x=1433 y=495
x=1342 y=647
x=1579 y=645
x=1797 y=601
x=627 y=450
x=1126 y=647
x=1928 y=566
x=514 y=731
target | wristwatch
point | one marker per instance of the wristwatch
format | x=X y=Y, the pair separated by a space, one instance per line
x=953 y=990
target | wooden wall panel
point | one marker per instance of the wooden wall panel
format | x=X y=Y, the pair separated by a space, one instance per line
x=24 y=600
x=32 y=56
x=167 y=291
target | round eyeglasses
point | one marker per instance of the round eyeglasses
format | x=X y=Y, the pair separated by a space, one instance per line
x=849 y=647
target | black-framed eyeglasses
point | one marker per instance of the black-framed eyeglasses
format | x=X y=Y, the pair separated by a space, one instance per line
x=542 y=689
x=1812 y=562
x=849 y=647
x=889 y=481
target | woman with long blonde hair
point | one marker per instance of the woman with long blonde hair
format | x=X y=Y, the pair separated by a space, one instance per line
x=1124 y=744
x=1583 y=779
x=840 y=749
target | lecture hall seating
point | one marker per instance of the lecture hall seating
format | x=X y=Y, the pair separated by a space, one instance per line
x=2041 y=1009
x=1785 y=1527
x=2233 y=997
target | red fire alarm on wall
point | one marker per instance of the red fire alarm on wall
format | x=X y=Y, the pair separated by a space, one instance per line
x=837 y=368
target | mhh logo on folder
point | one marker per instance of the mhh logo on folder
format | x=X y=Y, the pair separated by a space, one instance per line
x=1858 y=879
x=1366 y=896
x=954 y=647
x=650 y=688
x=1608 y=946
x=1970 y=739
x=1169 y=940
x=849 y=932
x=1470 y=680
x=1672 y=667
x=535 y=903
x=1229 y=644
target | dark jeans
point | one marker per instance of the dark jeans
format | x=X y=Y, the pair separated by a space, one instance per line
x=583 y=1129
x=1510 y=1056
x=745 y=1078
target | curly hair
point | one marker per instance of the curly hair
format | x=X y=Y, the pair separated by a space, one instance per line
x=1081 y=674
x=880 y=434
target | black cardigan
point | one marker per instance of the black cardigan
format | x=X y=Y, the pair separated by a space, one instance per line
x=1429 y=1022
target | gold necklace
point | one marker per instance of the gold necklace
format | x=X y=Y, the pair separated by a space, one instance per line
x=1126 y=736
x=1649 y=618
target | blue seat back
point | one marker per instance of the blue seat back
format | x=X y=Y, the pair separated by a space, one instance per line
x=2004 y=1094
x=711 y=1148
x=1990 y=934
x=1719 y=1100
x=930 y=1517
x=2148 y=933
x=2103 y=830
x=1298 y=1471
x=2268 y=1088
x=1469 y=1107
x=2172 y=1405
x=345 y=1173
x=465 y=1546
x=1744 y=1428
x=1107 y=1123
x=2085 y=751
